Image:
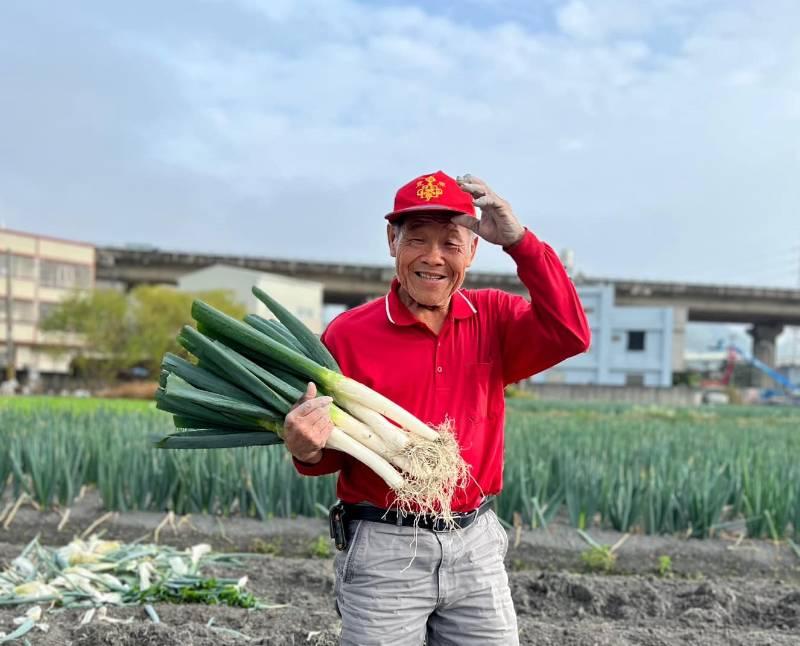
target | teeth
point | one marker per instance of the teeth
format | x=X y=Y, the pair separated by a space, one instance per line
x=429 y=276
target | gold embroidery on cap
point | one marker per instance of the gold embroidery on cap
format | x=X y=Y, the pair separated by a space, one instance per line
x=429 y=188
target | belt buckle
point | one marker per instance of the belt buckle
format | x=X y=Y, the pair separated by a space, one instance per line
x=438 y=526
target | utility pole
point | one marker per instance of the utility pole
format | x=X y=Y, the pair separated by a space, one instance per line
x=11 y=355
x=796 y=334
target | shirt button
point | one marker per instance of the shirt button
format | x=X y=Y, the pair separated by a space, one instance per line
x=439 y=369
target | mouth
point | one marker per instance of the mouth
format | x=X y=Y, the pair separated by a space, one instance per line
x=430 y=276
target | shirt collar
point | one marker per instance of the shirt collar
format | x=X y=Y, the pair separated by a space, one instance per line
x=396 y=311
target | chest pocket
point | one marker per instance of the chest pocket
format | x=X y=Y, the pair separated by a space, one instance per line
x=476 y=389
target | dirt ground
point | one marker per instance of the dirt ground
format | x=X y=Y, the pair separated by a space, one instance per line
x=718 y=591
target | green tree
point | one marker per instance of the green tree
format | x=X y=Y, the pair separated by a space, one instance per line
x=120 y=331
x=100 y=317
x=157 y=315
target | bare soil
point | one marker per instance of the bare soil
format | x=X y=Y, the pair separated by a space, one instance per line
x=717 y=592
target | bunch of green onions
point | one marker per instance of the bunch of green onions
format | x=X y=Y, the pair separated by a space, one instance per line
x=247 y=378
x=96 y=573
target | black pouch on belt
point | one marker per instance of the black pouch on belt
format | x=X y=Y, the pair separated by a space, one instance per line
x=336 y=522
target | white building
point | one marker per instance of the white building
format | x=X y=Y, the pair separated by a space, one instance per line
x=302 y=298
x=630 y=345
x=43 y=272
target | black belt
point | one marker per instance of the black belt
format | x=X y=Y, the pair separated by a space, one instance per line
x=460 y=520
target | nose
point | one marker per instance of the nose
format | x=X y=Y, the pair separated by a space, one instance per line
x=434 y=255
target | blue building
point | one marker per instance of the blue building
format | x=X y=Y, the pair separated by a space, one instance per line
x=631 y=346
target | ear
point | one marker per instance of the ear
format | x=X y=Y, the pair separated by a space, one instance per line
x=473 y=247
x=391 y=237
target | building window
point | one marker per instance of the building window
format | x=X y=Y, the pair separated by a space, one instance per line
x=634 y=379
x=635 y=340
x=23 y=310
x=21 y=266
x=65 y=275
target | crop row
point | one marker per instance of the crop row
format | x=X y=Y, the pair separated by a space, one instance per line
x=631 y=469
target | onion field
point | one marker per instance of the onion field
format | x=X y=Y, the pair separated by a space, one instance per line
x=653 y=470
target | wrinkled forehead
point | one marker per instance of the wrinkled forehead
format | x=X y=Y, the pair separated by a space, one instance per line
x=440 y=223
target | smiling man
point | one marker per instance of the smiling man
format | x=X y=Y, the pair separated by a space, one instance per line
x=443 y=353
x=425 y=283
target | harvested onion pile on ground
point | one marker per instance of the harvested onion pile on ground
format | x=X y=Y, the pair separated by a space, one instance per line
x=249 y=374
x=96 y=574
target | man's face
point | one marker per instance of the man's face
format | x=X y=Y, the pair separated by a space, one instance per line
x=431 y=257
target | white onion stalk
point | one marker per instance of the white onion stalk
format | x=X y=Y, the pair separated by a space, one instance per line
x=341 y=441
x=359 y=431
x=390 y=442
x=349 y=392
x=433 y=469
x=394 y=437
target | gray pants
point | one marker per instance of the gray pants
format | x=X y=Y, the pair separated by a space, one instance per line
x=450 y=587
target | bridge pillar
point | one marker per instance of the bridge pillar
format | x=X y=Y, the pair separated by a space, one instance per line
x=764 y=335
x=680 y=317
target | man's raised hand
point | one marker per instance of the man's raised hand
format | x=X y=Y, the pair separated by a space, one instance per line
x=497 y=224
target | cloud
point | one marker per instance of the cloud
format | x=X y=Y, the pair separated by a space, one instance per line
x=658 y=139
x=576 y=19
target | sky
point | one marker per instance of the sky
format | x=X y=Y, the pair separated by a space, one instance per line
x=657 y=139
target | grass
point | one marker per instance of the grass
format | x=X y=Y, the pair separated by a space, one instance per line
x=599 y=559
x=651 y=469
x=320 y=548
x=664 y=565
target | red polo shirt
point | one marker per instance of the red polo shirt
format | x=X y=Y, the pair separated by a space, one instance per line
x=490 y=339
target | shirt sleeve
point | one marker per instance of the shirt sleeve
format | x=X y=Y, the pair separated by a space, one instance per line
x=332 y=460
x=552 y=327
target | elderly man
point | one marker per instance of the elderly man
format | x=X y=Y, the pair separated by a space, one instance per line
x=442 y=353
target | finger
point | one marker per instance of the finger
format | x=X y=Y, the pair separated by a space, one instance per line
x=311 y=405
x=472 y=179
x=323 y=427
x=474 y=189
x=304 y=426
x=466 y=221
x=487 y=201
x=308 y=395
x=315 y=417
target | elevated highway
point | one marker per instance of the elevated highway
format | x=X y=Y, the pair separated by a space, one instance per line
x=767 y=310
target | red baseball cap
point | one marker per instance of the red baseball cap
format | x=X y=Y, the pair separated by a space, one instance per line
x=432 y=192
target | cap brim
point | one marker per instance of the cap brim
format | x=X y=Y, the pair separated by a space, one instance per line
x=433 y=209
